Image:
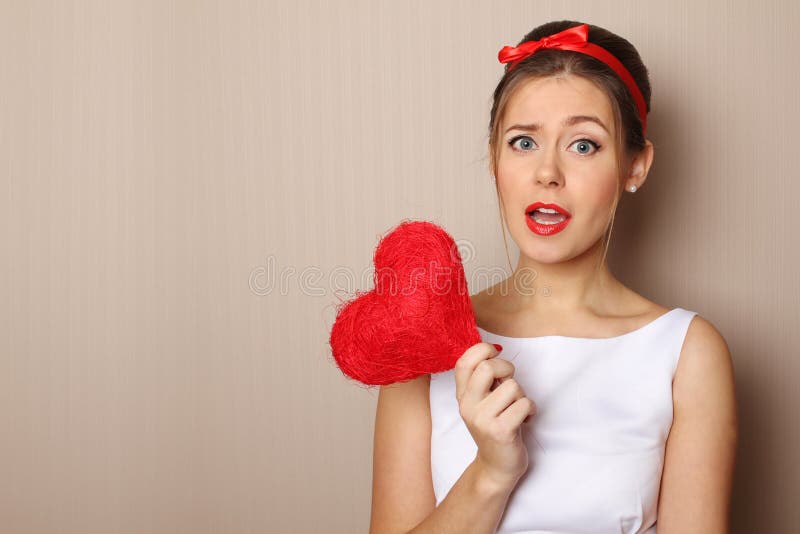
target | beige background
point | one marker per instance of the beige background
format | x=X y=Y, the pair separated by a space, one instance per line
x=162 y=161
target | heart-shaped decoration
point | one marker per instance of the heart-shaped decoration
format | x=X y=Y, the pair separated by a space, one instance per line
x=417 y=320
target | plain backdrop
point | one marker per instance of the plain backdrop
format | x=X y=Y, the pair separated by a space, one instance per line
x=188 y=188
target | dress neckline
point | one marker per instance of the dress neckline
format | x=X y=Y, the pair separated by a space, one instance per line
x=595 y=339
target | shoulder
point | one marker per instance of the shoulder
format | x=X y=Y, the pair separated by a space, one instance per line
x=481 y=306
x=493 y=300
x=705 y=361
x=488 y=308
x=704 y=382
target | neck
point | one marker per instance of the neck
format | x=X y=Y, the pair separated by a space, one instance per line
x=571 y=286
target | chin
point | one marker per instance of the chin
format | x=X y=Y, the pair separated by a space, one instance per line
x=547 y=253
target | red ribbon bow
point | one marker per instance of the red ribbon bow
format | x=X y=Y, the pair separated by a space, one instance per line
x=577 y=40
x=571 y=38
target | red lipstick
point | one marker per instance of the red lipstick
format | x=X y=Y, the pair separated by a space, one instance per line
x=542 y=228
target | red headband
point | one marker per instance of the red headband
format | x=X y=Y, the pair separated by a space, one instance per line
x=576 y=39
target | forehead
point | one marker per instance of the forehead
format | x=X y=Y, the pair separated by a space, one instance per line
x=548 y=100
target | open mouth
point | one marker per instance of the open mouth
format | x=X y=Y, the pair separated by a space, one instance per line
x=546 y=219
x=547 y=216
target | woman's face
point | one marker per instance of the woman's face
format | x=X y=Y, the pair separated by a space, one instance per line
x=557 y=147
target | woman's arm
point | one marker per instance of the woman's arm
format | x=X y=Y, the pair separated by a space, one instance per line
x=697 y=480
x=403 y=500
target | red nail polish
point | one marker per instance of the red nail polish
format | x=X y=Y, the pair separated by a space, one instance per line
x=498 y=347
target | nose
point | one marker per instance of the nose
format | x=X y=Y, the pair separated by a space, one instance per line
x=549 y=172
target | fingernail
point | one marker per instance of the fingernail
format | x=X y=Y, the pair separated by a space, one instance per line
x=498 y=347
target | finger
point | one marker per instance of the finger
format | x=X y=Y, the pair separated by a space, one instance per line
x=466 y=364
x=497 y=382
x=482 y=378
x=515 y=414
x=501 y=398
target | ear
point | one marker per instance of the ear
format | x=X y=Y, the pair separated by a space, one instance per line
x=640 y=166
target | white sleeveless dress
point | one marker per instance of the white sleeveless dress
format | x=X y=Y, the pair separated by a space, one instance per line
x=595 y=446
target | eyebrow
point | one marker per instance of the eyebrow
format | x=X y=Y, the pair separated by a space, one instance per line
x=569 y=121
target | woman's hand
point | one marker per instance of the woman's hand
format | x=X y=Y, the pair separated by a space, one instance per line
x=494 y=417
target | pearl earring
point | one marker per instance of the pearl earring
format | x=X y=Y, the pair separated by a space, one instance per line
x=632 y=189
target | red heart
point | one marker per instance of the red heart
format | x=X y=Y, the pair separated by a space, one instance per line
x=417 y=320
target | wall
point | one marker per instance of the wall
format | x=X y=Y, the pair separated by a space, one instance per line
x=162 y=160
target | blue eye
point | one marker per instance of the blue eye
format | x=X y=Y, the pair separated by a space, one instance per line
x=527 y=139
x=586 y=143
x=526 y=144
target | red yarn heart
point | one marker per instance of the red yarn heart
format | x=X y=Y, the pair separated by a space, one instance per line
x=417 y=320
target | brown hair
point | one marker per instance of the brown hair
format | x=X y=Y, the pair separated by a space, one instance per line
x=552 y=62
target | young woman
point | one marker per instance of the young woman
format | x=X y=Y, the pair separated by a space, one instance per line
x=617 y=414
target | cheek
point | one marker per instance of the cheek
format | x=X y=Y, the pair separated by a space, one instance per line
x=605 y=195
x=600 y=199
x=514 y=174
x=513 y=165
x=506 y=185
x=512 y=168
